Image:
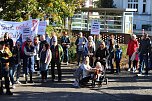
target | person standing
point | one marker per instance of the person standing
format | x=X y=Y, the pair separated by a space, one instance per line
x=135 y=60
x=90 y=51
x=132 y=46
x=36 y=57
x=65 y=43
x=57 y=53
x=17 y=55
x=45 y=58
x=144 y=50
x=54 y=36
x=29 y=53
x=118 y=55
x=111 y=42
x=102 y=54
x=4 y=70
x=98 y=41
x=80 y=43
x=48 y=39
x=42 y=42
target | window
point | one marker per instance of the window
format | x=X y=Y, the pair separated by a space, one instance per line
x=133 y=4
x=144 y=8
x=134 y=26
x=146 y=27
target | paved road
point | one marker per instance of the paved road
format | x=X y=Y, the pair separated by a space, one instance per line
x=124 y=87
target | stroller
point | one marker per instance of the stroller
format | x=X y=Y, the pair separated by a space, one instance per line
x=99 y=77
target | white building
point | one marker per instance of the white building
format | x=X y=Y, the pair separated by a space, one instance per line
x=143 y=15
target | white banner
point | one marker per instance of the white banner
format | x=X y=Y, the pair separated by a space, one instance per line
x=15 y=29
x=42 y=27
x=95 y=27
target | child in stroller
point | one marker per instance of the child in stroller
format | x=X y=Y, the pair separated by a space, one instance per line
x=99 y=75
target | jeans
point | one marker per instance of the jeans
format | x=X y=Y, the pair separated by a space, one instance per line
x=80 y=54
x=18 y=72
x=117 y=66
x=143 y=61
x=12 y=70
x=11 y=74
x=66 y=54
x=110 y=61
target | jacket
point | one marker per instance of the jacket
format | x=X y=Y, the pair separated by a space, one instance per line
x=132 y=46
x=60 y=51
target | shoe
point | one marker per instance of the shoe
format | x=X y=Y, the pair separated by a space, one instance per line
x=129 y=69
x=52 y=80
x=67 y=63
x=23 y=75
x=13 y=86
x=140 y=74
x=18 y=82
x=9 y=93
x=44 y=80
x=1 y=93
x=136 y=71
x=59 y=80
x=30 y=82
x=10 y=83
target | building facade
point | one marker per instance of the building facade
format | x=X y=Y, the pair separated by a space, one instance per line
x=143 y=15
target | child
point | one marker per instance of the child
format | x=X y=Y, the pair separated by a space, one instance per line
x=98 y=71
x=135 y=59
x=118 y=55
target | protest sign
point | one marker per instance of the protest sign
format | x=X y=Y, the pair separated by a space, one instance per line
x=42 y=27
x=95 y=27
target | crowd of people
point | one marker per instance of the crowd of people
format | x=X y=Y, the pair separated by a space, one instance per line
x=38 y=53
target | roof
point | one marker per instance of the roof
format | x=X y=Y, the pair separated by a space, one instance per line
x=107 y=10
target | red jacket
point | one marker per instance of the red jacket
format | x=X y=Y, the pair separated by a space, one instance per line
x=132 y=46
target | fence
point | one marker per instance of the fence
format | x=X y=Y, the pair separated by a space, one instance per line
x=121 y=38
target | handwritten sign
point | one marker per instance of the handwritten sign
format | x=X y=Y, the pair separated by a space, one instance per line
x=95 y=27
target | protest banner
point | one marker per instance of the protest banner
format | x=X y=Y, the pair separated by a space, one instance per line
x=15 y=28
x=42 y=27
x=95 y=27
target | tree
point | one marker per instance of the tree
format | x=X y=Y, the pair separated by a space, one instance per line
x=105 y=4
x=19 y=10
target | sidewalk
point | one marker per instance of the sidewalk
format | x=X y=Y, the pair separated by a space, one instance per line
x=124 y=87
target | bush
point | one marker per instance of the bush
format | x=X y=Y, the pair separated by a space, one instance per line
x=72 y=52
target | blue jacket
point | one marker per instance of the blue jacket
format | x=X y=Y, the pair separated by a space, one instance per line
x=118 y=54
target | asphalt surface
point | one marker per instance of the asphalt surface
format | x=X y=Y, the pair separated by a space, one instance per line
x=123 y=87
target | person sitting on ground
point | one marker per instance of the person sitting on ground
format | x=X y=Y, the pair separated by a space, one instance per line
x=87 y=69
